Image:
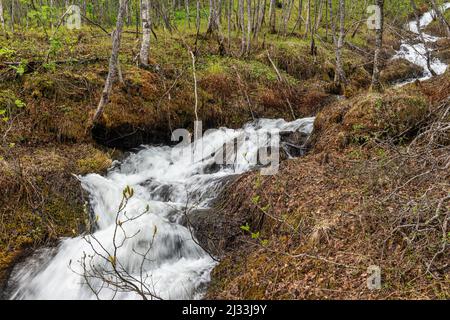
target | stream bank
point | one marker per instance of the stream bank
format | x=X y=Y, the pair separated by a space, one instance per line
x=353 y=202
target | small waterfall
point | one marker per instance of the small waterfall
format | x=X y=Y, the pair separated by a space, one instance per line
x=416 y=52
x=165 y=181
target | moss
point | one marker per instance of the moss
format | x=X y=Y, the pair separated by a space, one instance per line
x=41 y=200
x=40 y=85
x=7 y=99
x=97 y=162
x=400 y=70
x=359 y=80
x=385 y=115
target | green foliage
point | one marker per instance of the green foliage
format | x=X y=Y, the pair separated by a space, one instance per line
x=21 y=68
x=19 y=103
x=255 y=200
x=9 y=105
x=6 y=53
x=245 y=227
x=51 y=66
x=254 y=235
x=55 y=45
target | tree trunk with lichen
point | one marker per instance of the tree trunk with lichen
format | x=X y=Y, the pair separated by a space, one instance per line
x=146 y=33
x=376 y=85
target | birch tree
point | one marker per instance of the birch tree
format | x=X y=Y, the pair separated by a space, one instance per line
x=249 y=25
x=376 y=85
x=2 y=19
x=332 y=22
x=272 y=16
x=242 y=25
x=146 y=32
x=340 y=75
x=113 y=62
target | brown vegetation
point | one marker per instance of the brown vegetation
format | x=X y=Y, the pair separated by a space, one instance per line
x=373 y=191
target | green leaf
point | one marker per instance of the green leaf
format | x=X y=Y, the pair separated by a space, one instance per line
x=255 y=199
x=255 y=235
x=19 y=103
x=246 y=227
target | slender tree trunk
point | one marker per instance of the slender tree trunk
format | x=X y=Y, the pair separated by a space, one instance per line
x=218 y=24
x=188 y=18
x=262 y=13
x=308 y=19
x=249 y=25
x=326 y=20
x=230 y=9
x=12 y=16
x=340 y=75
x=332 y=22
x=137 y=17
x=211 y=18
x=298 y=23
x=113 y=62
x=2 y=19
x=242 y=23
x=146 y=33
x=273 y=16
x=197 y=25
x=197 y=18
x=376 y=85
x=287 y=11
x=319 y=15
x=441 y=17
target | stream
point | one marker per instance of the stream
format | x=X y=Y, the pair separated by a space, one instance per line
x=415 y=51
x=166 y=181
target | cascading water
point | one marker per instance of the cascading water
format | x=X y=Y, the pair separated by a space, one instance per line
x=166 y=181
x=417 y=52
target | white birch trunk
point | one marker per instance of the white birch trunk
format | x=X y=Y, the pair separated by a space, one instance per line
x=146 y=33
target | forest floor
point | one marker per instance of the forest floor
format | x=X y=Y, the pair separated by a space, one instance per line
x=49 y=93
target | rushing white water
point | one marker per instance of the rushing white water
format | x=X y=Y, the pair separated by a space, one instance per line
x=167 y=180
x=416 y=52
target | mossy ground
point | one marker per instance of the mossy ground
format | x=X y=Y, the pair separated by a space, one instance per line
x=41 y=199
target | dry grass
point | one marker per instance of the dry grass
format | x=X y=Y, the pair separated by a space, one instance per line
x=41 y=199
